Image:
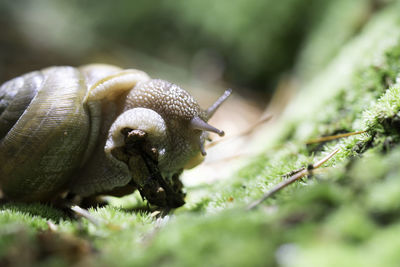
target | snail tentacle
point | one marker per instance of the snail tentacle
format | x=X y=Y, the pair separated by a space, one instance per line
x=213 y=108
x=199 y=124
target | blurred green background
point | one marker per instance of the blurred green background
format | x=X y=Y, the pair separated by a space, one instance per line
x=245 y=44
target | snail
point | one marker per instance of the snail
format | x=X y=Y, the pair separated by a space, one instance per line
x=99 y=130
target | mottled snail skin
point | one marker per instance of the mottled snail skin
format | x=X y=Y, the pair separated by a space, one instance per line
x=98 y=129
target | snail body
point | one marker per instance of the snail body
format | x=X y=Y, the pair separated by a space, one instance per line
x=98 y=129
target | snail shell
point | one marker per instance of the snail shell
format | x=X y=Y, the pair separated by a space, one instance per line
x=98 y=129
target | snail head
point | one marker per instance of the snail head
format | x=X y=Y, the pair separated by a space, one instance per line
x=186 y=123
x=174 y=125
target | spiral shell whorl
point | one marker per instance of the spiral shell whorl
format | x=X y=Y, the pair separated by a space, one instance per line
x=44 y=146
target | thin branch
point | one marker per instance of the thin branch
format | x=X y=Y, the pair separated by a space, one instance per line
x=290 y=174
x=322 y=161
x=332 y=137
x=292 y=179
x=246 y=132
x=52 y=226
x=251 y=129
x=85 y=214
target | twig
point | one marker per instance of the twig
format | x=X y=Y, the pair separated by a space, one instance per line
x=322 y=161
x=292 y=179
x=290 y=174
x=251 y=129
x=246 y=132
x=52 y=226
x=85 y=214
x=331 y=137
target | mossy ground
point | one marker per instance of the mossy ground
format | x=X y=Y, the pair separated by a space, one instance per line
x=346 y=214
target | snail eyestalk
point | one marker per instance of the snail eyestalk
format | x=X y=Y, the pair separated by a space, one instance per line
x=202 y=149
x=199 y=124
x=211 y=110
